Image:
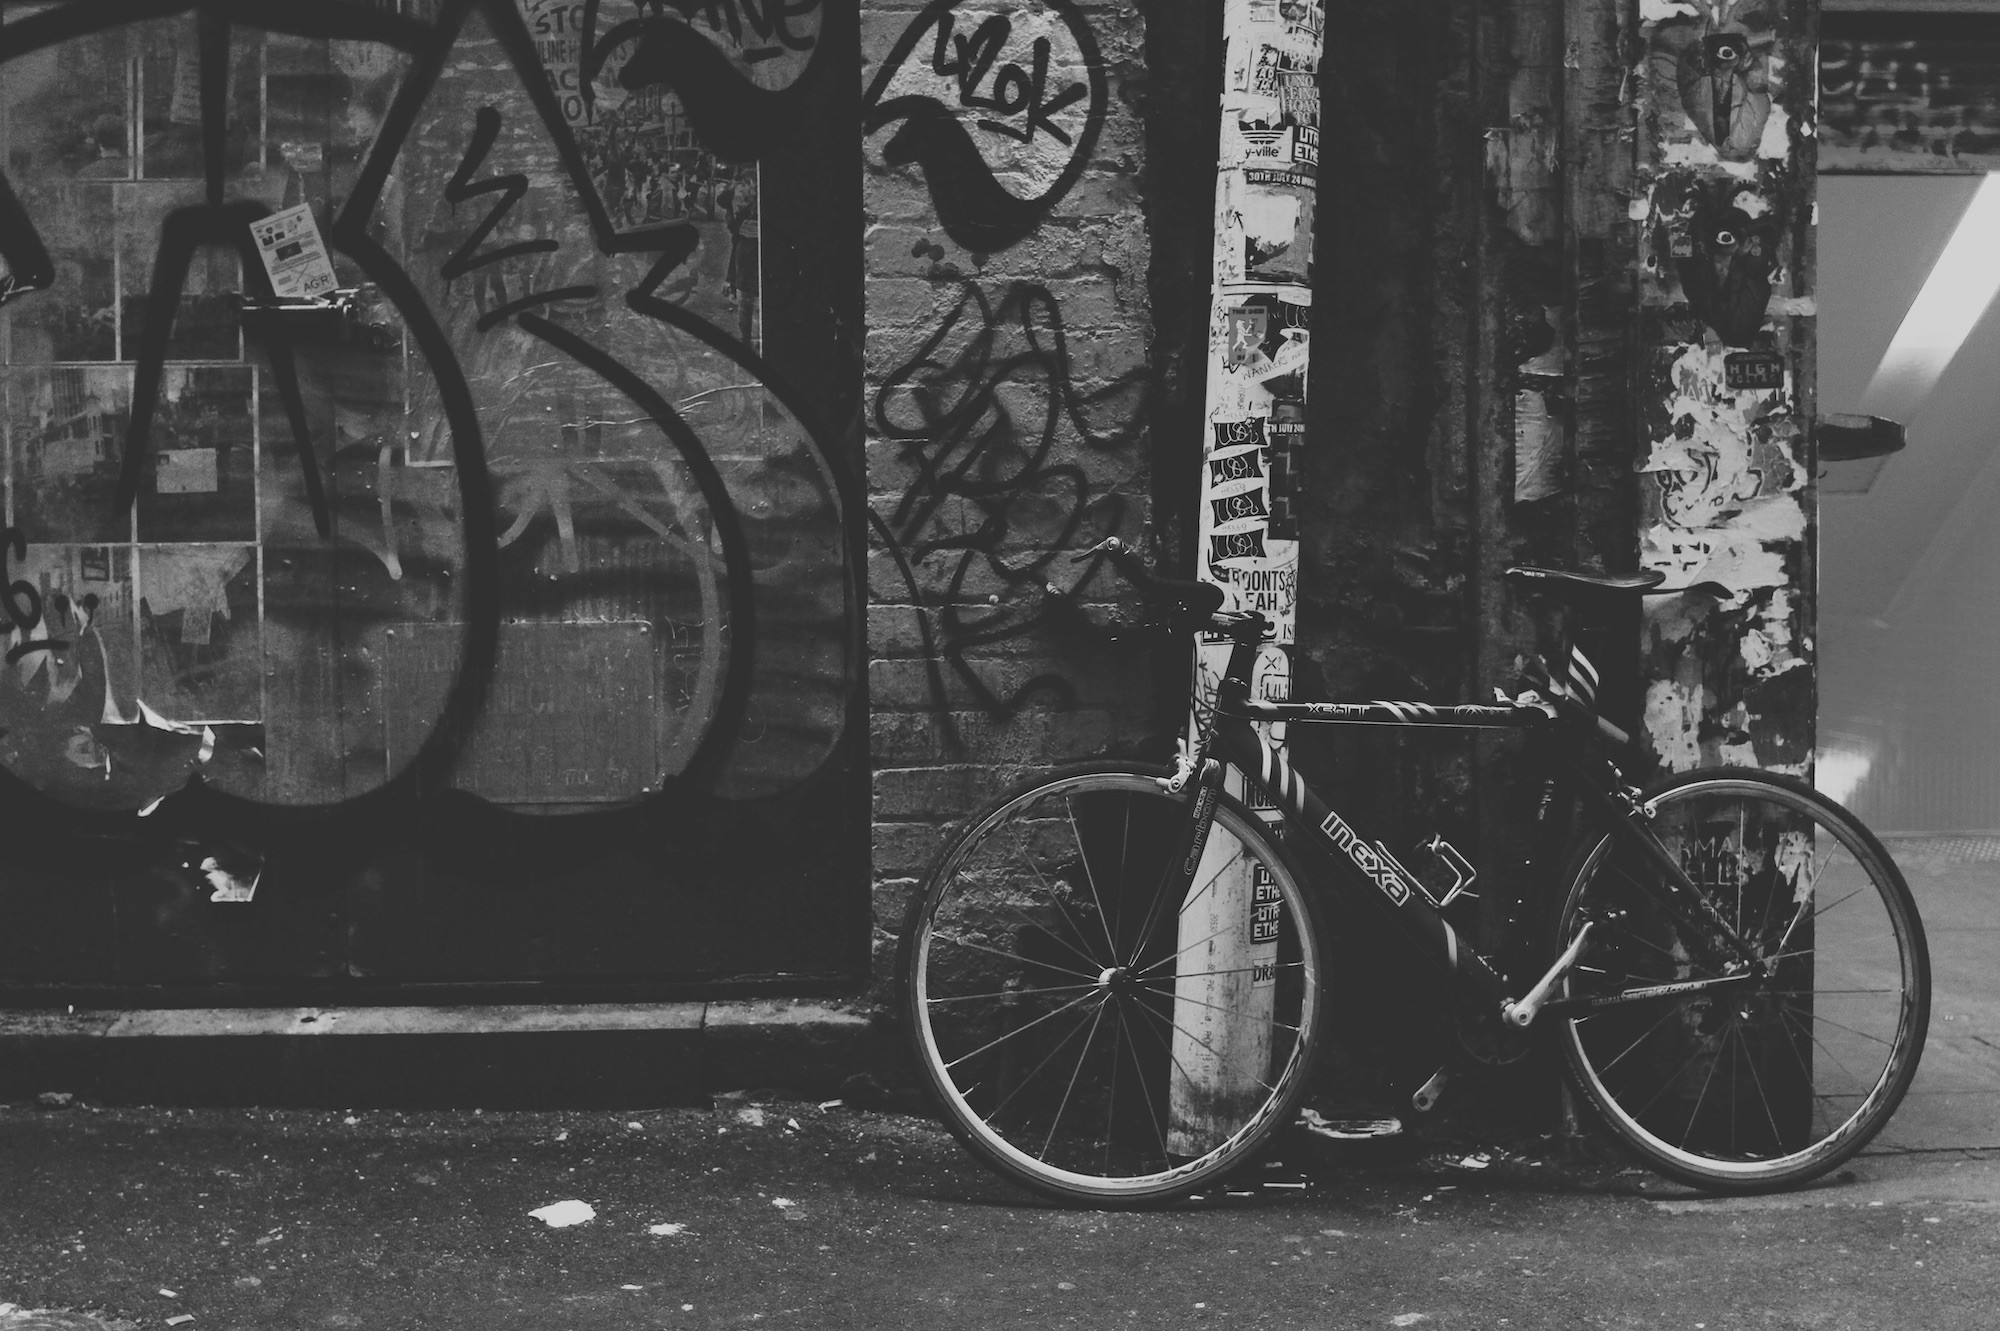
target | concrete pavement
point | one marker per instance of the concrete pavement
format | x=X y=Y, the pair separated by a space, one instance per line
x=1955 y=1101
x=788 y=1214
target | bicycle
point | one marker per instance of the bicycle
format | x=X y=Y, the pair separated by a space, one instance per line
x=1113 y=976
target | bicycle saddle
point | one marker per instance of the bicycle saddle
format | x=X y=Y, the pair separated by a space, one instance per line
x=1559 y=580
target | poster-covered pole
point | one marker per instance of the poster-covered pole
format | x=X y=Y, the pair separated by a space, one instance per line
x=1253 y=430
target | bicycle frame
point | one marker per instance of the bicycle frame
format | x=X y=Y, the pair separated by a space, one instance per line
x=1235 y=739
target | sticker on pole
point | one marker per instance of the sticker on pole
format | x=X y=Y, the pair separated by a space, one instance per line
x=294 y=255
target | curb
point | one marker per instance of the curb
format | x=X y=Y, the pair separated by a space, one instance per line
x=517 y=1056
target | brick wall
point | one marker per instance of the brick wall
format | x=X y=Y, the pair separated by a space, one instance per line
x=1009 y=377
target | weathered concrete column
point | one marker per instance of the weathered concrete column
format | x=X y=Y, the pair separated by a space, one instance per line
x=1725 y=377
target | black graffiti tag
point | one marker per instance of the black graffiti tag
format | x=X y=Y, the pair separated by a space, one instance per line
x=1015 y=91
x=969 y=77
x=948 y=405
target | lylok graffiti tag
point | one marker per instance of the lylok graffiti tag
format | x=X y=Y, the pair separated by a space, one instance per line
x=996 y=103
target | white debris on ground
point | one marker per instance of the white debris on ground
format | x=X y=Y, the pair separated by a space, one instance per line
x=561 y=1215
x=1348 y=1129
x=751 y=1115
x=668 y=1230
x=13 y=1317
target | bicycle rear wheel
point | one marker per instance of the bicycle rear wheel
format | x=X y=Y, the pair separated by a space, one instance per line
x=1083 y=1034
x=1720 y=1077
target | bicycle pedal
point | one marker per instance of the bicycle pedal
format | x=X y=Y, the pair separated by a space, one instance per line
x=1426 y=1097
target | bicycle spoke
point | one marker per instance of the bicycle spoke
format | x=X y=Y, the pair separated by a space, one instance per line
x=1234 y=970
x=1821 y=1045
x=1173 y=1058
x=1090 y=877
x=1021 y=853
x=1851 y=1031
x=1018 y=1030
x=1220 y=1059
x=1111 y=1094
x=1777 y=1136
x=1159 y=899
x=1049 y=1142
x=1011 y=956
x=1173 y=956
x=1643 y=1037
x=1695 y=1113
x=1145 y=1092
x=1124 y=859
x=1217 y=1007
x=1047 y=1058
x=1011 y=993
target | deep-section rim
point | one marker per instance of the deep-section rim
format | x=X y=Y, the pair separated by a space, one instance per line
x=1827 y=1152
x=1069 y=1185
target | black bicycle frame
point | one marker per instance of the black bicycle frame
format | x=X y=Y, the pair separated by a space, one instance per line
x=1371 y=865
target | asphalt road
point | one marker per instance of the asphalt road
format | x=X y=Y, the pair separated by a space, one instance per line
x=305 y=1219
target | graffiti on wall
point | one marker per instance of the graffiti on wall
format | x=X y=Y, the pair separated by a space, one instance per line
x=981 y=427
x=522 y=505
x=999 y=111
x=1008 y=455
x=1727 y=502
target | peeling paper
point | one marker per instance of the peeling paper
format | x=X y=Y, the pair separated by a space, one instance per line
x=1776 y=145
x=1538 y=441
x=1792 y=307
x=1733 y=555
x=1767 y=648
x=1737 y=755
x=1699 y=152
x=1652 y=11
x=1673 y=720
x=1728 y=488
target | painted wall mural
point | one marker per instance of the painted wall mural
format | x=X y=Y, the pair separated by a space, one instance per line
x=1725 y=163
x=417 y=427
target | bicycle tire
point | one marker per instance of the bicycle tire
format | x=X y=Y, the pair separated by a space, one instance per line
x=1042 y=920
x=1770 y=1081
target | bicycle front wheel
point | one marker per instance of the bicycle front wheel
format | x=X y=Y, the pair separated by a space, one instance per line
x=1735 y=1077
x=1088 y=1026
